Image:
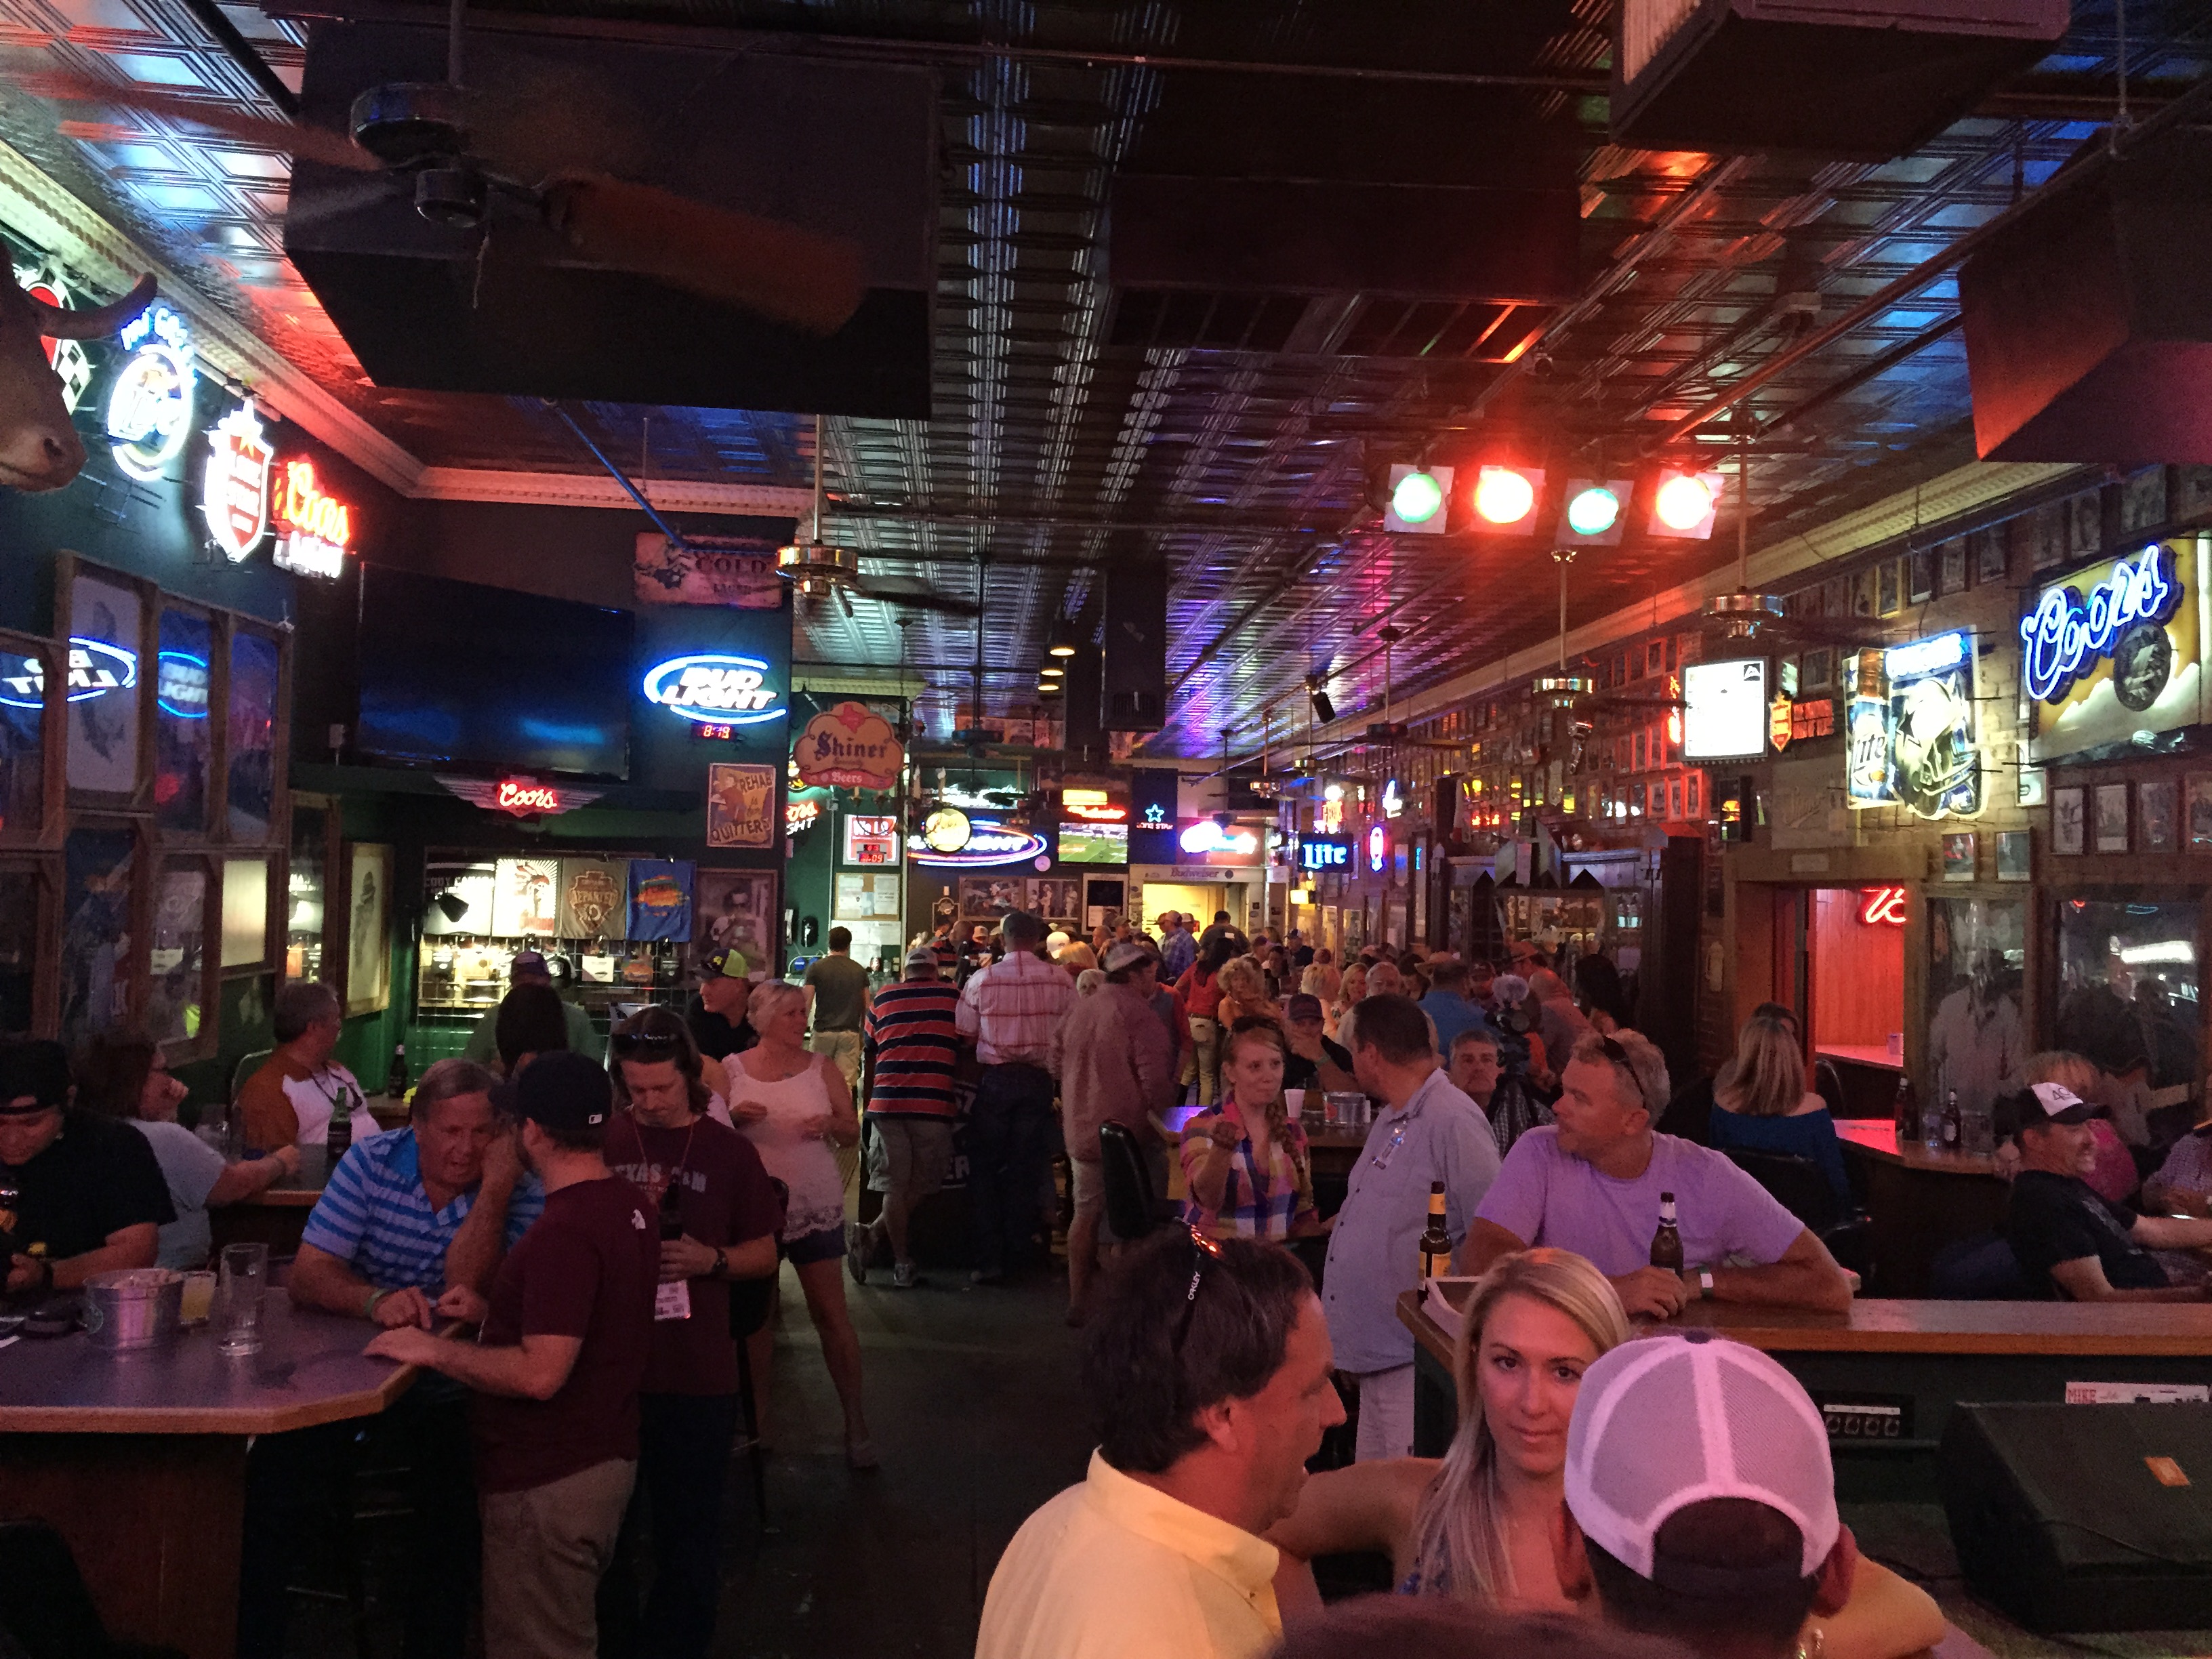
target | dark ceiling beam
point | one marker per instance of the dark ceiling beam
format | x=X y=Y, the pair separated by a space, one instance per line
x=242 y=53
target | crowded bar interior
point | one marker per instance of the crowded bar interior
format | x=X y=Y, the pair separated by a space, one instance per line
x=1325 y=830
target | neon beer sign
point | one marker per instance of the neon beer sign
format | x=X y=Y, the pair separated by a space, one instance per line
x=2062 y=639
x=714 y=688
x=319 y=528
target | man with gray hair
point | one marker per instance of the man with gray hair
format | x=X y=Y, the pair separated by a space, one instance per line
x=1596 y=1182
x=404 y=1217
x=291 y=1098
x=1009 y=1010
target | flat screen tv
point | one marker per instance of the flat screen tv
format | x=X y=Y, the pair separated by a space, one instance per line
x=460 y=674
x=1093 y=843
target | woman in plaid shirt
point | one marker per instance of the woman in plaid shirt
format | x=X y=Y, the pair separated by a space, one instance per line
x=1246 y=1166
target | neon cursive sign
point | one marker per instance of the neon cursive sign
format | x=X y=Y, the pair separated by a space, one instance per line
x=320 y=526
x=1315 y=853
x=1883 y=907
x=524 y=795
x=2063 y=637
x=715 y=688
x=987 y=844
x=1207 y=837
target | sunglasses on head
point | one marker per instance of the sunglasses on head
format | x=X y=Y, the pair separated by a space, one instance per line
x=627 y=1043
x=1203 y=1250
x=1618 y=1056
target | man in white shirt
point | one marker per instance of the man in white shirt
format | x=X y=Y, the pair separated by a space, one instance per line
x=1009 y=1010
x=1158 y=1550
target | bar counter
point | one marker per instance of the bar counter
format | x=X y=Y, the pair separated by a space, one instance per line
x=1920 y=1200
x=139 y=1459
x=1887 y=1373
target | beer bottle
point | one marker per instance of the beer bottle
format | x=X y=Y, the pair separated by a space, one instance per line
x=341 y=1133
x=1951 y=1121
x=1667 y=1242
x=1908 y=1119
x=1436 y=1241
x=672 y=1298
x=395 y=1080
x=11 y=1202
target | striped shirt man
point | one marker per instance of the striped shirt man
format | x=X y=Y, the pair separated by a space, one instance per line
x=375 y=1217
x=914 y=1042
x=1011 y=1008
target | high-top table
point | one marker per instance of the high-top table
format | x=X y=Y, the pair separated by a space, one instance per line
x=140 y=1459
x=1920 y=1200
x=1887 y=1373
x=277 y=1214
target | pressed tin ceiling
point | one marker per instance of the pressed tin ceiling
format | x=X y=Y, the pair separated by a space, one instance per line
x=1229 y=434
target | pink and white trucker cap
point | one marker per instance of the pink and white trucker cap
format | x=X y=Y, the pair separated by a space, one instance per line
x=1668 y=1421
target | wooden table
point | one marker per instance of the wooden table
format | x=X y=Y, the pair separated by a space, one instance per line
x=277 y=1215
x=1887 y=1373
x=140 y=1459
x=1920 y=1200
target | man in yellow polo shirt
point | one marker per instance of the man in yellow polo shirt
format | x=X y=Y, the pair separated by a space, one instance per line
x=1158 y=1550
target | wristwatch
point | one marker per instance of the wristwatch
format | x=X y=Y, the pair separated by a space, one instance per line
x=1705 y=1284
x=721 y=1264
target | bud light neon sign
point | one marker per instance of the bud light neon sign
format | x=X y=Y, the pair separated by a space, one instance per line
x=714 y=689
x=96 y=668
x=2062 y=639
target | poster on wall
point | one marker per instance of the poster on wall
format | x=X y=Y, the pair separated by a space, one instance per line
x=736 y=909
x=2117 y=650
x=731 y=570
x=526 y=899
x=866 y=895
x=1056 y=899
x=739 y=802
x=1914 y=741
x=369 y=929
x=594 y=897
x=103 y=704
x=96 y=929
x=661 y=899
x=985 y=898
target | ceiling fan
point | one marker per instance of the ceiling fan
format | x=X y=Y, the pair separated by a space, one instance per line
x=1579 y=694
x=818 y=569
x=466 y=171
x=1741 y=617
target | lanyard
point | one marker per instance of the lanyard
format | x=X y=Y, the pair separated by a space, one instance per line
x=683 y=1159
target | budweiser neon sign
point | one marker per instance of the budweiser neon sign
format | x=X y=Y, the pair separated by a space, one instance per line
x=235 y=487
x=2062 y=639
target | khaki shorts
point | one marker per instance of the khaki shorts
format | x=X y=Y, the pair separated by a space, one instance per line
x=908 y=1155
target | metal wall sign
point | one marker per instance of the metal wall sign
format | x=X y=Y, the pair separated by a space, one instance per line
x=1914 y=739
x=2115 y=652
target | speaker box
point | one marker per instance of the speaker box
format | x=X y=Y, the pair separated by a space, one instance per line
x=2089 y=322
x=2083 y=1518
x=1137 y=645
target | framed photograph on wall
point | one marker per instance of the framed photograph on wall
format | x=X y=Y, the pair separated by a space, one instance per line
x=985 y=898
x=2157 y=809
x=368 y=928
x=1959 y=856
x=1991 y=554
x=2199 y=787
x=1954 y=578
x=2112 y=818
x=737 y=908
x=2015 y=854
x=1920 y=584
x=2069 y=820
x=1887 y=599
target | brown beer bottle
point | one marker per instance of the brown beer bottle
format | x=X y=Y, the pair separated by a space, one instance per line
x=1667 y=1242
x=1436 y=1241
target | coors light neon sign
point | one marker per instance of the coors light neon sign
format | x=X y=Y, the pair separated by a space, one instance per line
x=2062 y=639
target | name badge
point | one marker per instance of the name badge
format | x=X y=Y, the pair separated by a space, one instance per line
x=673 y=1300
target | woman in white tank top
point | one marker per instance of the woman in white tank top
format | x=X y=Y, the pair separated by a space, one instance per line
x=792 y=1104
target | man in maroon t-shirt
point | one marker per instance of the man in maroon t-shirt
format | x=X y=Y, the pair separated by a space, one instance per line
x=556 y=1370
x=661 y=1137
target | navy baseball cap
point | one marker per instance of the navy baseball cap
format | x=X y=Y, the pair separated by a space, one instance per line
x=563 y=1091
x=36 y=1068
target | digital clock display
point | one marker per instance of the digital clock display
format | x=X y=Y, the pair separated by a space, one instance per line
x=714 y=731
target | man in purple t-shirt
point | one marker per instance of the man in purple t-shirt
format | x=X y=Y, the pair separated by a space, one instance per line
x=556 y=1370
x=1591 y=1183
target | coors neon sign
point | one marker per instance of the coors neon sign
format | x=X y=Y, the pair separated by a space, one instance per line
x=2063 y=637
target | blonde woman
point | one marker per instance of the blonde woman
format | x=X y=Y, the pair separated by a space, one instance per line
x=1246 y=1166
x=1352 y=988
x=1321 y=979
x=1477 y=1523
x=1244 y=992
x=793 y=1105
x=1761 y=1105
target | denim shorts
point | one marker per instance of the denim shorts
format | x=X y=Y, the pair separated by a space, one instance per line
x=828 y=1245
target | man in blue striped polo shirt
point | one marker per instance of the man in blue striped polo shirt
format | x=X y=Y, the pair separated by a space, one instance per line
x=404 y=1216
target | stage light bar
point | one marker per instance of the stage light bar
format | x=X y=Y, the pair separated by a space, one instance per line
x=1419 y=497
x=1684 y=505
x=1505 y=499
x=1595 y=513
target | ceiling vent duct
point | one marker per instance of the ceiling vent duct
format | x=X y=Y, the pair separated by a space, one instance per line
x=838 y=149
x=1866 y=79
x=2089 y=319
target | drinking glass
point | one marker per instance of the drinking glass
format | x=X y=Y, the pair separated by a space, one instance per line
x=198 y=1305
x=240 y=1279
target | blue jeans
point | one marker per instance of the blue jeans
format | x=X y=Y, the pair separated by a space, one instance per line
x=1009 y=1142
